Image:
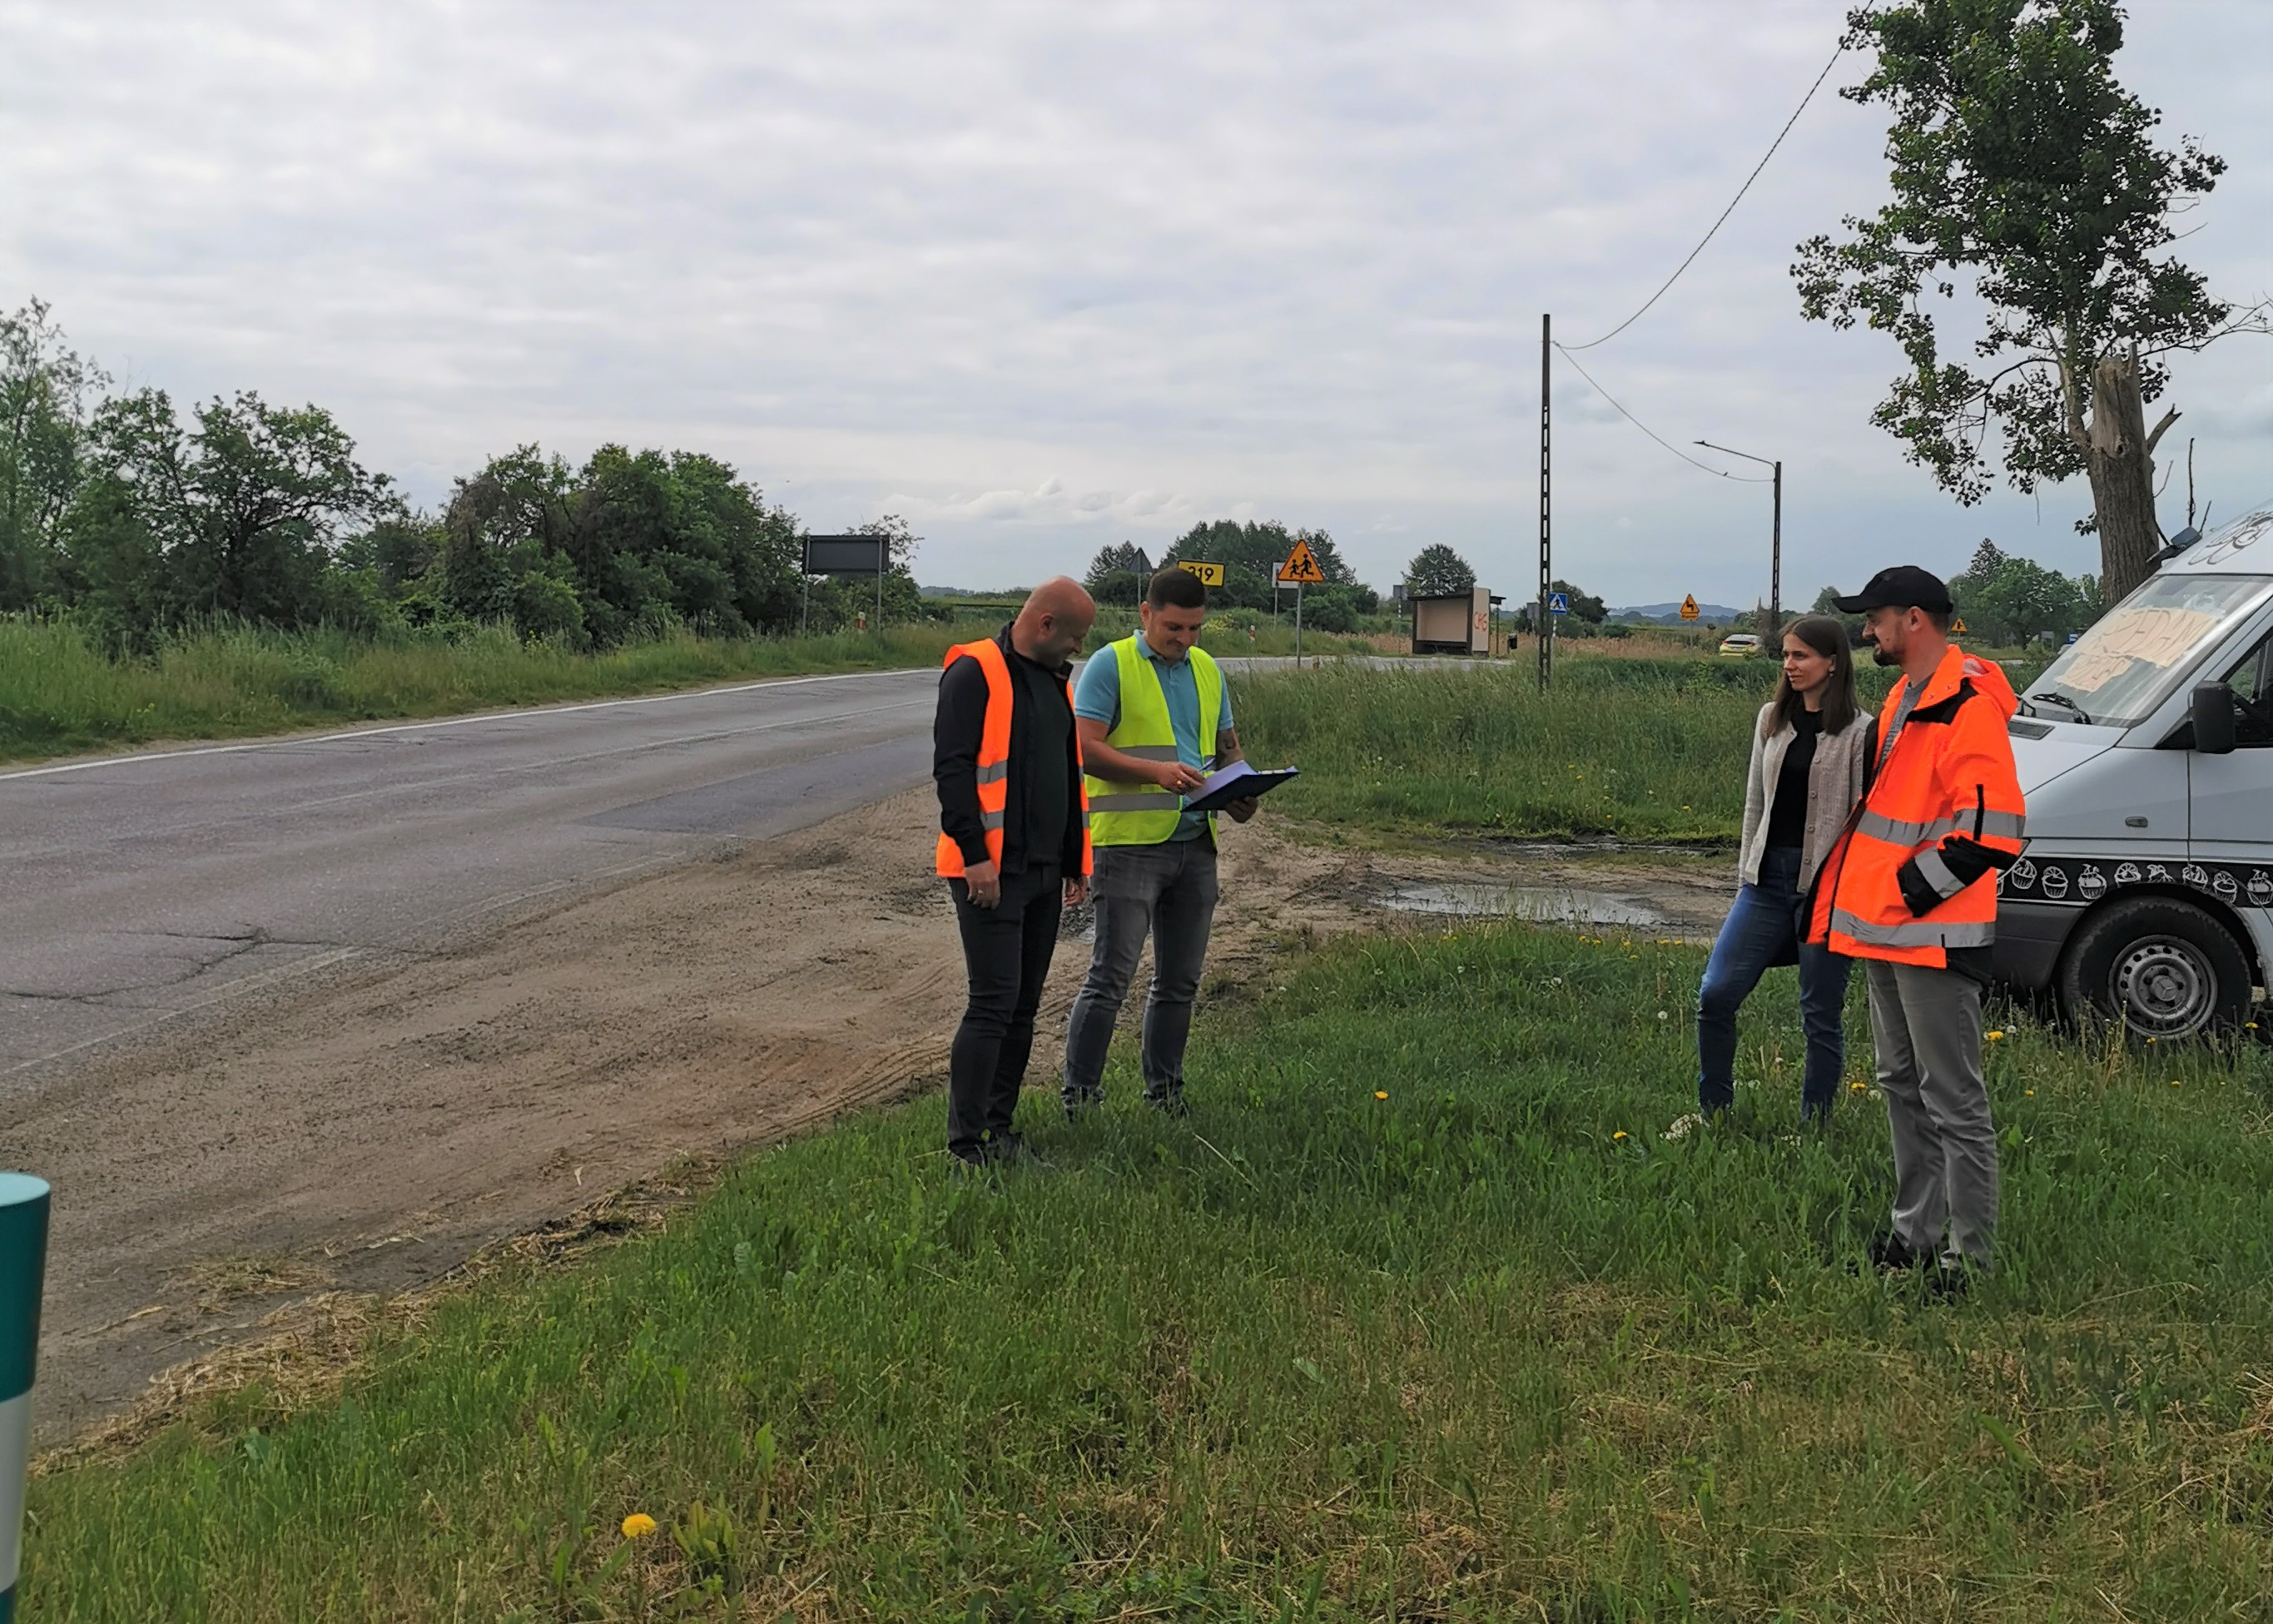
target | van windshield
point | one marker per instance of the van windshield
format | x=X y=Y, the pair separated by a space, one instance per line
x=2118 y=671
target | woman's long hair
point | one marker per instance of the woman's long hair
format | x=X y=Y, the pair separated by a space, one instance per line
x=1827 y=635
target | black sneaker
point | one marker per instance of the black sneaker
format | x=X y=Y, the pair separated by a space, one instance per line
x=1080 y=1105
x=1946 y=1282
x=1891 y=1254
x=1007 y=1149
x=1171 y=1104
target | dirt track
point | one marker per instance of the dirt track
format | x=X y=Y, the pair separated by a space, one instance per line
x=368 y=1132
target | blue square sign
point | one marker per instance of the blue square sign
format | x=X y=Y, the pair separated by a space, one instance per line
x=1558 y=603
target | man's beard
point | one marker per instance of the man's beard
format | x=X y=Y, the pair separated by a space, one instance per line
x=1880 y=656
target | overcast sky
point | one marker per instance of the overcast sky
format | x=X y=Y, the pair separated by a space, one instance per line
x=1041 y=276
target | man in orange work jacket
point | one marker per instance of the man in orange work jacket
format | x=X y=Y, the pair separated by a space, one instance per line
x=1911 y=889
x=1013 y=847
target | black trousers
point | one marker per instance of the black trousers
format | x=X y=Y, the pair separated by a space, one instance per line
x=1006 y=953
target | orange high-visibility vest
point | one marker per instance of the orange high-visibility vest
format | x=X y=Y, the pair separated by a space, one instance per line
x=994 y=759
x=1914 y=874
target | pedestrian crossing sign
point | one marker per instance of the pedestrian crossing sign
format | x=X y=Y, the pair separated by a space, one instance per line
x=1558 y=603
x=1302 y=565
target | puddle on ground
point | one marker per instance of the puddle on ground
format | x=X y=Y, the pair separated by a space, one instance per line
x=1542 y=904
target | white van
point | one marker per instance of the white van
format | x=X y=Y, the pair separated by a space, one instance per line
x=2145 y=887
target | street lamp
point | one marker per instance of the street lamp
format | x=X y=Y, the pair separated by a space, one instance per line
x=1775 y=542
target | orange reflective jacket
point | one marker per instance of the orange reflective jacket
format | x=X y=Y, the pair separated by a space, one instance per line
x=1914 y=875
x=994 y=760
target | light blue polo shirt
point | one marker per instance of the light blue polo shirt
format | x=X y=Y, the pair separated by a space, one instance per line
x=1098 y=697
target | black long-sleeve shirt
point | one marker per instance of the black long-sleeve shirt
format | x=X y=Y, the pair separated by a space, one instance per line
x=1045 y=768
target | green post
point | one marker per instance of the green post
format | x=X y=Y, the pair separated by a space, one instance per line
x=23 y=1265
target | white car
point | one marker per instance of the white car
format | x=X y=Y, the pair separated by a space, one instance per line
x=2145 y=886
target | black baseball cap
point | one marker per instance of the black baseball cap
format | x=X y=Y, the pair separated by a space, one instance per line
x=1905 y=586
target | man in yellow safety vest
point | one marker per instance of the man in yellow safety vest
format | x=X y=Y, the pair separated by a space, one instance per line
x=1154 y=719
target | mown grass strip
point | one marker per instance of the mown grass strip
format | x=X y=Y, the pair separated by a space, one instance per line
x=1437 y=1323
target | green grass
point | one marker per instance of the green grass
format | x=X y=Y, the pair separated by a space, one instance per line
x=59 y=693
x=1645 y=750
x=1463 y=1352
x=1639 y=748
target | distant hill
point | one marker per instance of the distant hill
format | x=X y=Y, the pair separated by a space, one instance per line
x=1664 y=614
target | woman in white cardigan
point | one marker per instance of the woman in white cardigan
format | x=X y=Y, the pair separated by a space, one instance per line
x=1810 y=758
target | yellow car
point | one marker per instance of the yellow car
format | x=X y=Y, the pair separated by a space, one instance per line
x=1739 y=645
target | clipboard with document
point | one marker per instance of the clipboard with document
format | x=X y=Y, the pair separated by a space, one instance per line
x=1237 y=782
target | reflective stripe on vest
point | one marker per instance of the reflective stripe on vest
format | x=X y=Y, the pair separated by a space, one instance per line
x=994 y=761
x=1140 y=814
x=1911 y=933
x=1946 y=778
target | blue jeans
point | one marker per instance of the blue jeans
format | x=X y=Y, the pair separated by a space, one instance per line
x=1768 y=926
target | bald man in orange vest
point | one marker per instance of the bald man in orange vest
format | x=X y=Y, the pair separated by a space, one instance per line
x=1013 y=848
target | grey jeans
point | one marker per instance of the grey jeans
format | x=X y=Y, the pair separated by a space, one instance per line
x=1166 y=894
x=1926 y=1026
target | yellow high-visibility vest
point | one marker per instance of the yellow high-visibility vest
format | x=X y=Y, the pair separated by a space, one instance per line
x=1140 y=814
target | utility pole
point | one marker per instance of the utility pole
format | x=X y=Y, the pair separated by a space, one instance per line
x=1775 y=537
x=1775 y=564
x=1541 y=623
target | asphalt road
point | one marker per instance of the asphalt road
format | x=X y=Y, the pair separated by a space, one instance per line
x=138 y=888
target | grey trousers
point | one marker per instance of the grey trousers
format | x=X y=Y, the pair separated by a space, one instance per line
x=1166 y=894
x=1926 y=1026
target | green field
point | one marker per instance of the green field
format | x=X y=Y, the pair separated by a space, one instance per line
x=1488 y=1347
x=1647 y=750
x=60 y=692
x=1644 y=749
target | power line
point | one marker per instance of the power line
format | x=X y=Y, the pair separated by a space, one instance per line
x=1718 y=473
x=1838 y=52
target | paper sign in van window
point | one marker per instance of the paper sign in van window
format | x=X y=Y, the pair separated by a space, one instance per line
x=2156 y=637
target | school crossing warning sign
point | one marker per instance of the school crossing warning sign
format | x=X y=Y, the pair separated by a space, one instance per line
x=1302 y=565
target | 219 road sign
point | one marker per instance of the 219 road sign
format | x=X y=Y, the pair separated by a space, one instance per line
x=1558 y=603
x=1210 y=575
x=1302 y=565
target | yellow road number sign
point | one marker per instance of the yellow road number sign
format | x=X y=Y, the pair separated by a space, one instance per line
x=1303 y=565
x=1210 y=575
x=1688 y=608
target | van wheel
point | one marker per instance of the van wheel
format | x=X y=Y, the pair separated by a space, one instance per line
x=2165 y=968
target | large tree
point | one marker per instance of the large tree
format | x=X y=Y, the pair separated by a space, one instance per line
x=45 y=394
x=245 y=507
x=2023 y=180
x=1437 y=569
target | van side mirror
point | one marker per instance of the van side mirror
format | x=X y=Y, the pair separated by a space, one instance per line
x=2213 y=716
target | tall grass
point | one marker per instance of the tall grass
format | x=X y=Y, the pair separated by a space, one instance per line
x=1643 y=749
x=1638 y=748
x=1421 y=1317
x=59 y=692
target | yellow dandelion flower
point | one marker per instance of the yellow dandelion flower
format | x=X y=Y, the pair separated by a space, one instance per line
x=1381 y=1094
x=1620 y=1135
x=639 y=1525
x=2174 y=1082
x=1994 y=1037
x=2031 y=1093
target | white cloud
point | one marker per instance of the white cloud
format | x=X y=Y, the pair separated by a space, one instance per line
x=1040 y=276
